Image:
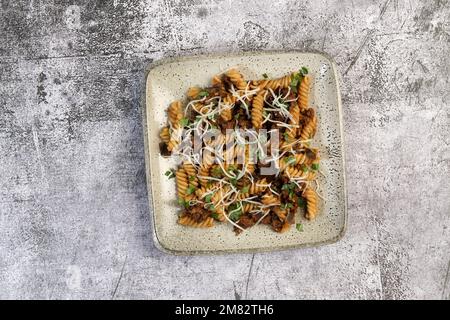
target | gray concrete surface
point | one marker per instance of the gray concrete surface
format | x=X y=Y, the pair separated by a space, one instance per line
x=74 y=216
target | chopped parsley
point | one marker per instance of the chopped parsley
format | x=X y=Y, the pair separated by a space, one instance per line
x=305 y=169
x=215 y=215
x=216 y=172
x=203 y=93
x=304 y=71
x=190 y=189
x=235 y=212
x=245 y=189
x=287 y=206
x=191 y=178
x=170 y=174
x=315 y=166
x=265 y=76
x=289 y=160
x=183 y=202
x=299 y=227
x=184 y=122
x=301 y=202
x=208 y=198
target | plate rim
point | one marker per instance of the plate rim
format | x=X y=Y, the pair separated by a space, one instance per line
x=149 y=171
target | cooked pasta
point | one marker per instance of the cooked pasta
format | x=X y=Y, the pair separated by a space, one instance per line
x=186 y=220
x=237 y=79
x=164 y=134
x=235 y=175
x=310 y=126
x=175 y=113
x=257 y=109
x=303 y=93
x=311 y=203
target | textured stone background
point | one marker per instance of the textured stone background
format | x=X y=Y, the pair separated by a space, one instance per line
x=74 y=215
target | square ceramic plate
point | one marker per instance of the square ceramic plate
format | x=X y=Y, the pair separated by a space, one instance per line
x=169 y=80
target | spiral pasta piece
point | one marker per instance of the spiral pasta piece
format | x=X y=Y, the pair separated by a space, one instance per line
x=203 y=172
x=303 y=93
x=193 y=92
x=270 y=199
x=237 y=79
x=228 y=102
x=164 y=134
x=175 y=113
x=172 y=144
x=281 y=213
x=186 y=220
x=182 y=183
x=247 y=207
x=257 y=109
x=311 y=203
x=299 y=173
x=259 y=186
x=191 y=172
x=309 y=129
x=279 y=83
x=294 y=111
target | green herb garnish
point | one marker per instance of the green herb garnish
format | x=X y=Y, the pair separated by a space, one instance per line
x=236 y=116
x=245 y=189
x=315 y=166
x=305 y=169
x=170 y=174
x=304 y=71
x=289 y=160
x=235 y=214
x=299 y=227
x=184 y=122
x=233 y=181
x=265 y=76
x=208 y=198
x=190 y=189
x=191 y=178
x=287 y=206
x=301 y=202
x=216 y=172
x=203 y=93
x=183 y=203
x=215 y=215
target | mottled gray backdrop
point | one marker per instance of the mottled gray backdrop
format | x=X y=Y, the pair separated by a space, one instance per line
x=74 y=215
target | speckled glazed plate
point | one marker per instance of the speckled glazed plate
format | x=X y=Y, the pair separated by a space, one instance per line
x=169 y=80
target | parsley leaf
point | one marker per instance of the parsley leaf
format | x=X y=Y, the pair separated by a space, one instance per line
x=289 y=160
x=287 y=206
x=235 y=214
x=191 y=178
x=245 y=189
x=190 y=189
x=183 y=203
x=301 y=202
x=208 y=198
x=315 y=166
x=203 y=93
x=170 y=174
x=215 y=215
x=305 y=169
x=184 y=122
x=299 y=227
x=265 y=76
x=216 y=172
x=304 y=71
